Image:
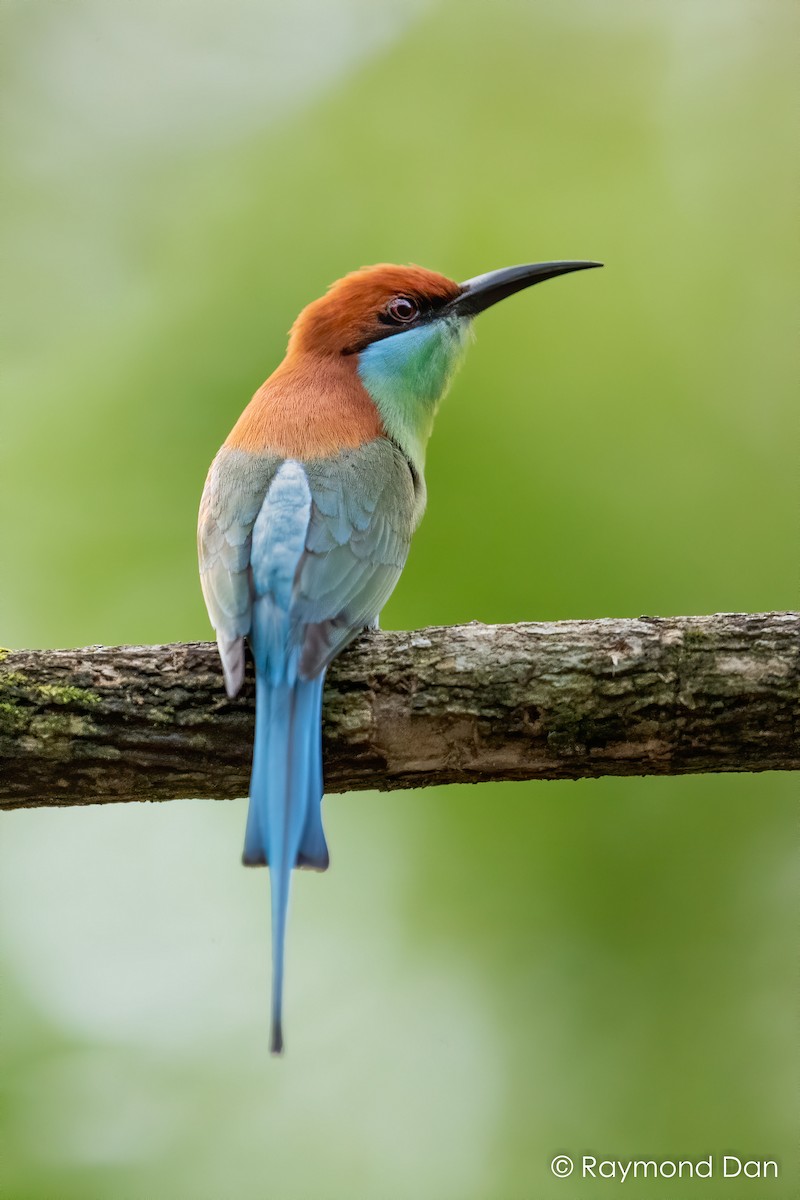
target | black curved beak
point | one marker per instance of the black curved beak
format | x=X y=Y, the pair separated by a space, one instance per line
x=484 y=290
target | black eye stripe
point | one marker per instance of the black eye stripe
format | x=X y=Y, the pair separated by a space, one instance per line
x=424 y=308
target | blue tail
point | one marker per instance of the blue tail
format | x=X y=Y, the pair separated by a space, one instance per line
x=284 y=822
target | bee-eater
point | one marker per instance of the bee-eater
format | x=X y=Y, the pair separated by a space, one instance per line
x=306 y=520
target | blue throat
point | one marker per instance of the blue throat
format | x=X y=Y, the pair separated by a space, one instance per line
x=407 y=375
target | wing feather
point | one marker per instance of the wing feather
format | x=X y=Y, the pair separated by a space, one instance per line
x=363 y=514
x=364 y=509
x=232 y=498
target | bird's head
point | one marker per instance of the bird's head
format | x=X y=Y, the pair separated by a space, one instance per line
x=407 y=329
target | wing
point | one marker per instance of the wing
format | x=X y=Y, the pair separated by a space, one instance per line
x=232 y=498
x=364 y=510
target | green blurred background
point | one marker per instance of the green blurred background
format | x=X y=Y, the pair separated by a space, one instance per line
x=487 y=976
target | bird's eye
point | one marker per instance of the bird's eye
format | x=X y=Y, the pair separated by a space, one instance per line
x=402 y=309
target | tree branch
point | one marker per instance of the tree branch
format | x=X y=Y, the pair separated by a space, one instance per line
x=470 y=703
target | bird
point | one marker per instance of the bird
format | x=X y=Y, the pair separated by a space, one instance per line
x=306 y=520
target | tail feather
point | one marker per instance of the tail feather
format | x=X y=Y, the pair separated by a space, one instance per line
x=256 y=836
x=284 y=825
x=313 y=851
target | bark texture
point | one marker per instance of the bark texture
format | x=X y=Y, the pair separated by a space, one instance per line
x=653 y=696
